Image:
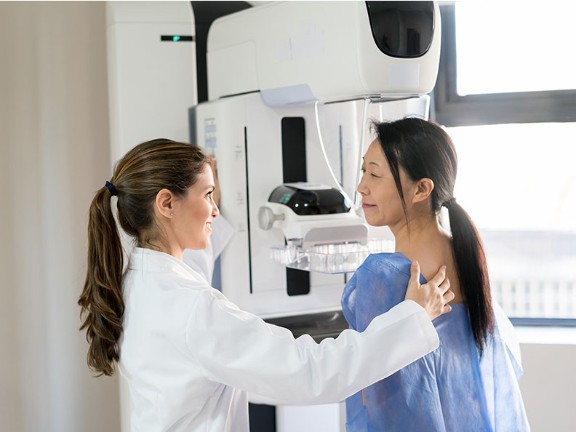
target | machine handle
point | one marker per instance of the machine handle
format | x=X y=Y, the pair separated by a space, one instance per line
x=266 y=218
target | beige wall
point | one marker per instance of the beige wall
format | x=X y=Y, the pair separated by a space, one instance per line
x=54 y=154
x=549 y=382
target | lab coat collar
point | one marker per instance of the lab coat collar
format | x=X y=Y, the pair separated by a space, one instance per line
x=161 y=262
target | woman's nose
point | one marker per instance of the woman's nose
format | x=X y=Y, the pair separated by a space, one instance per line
x=361 y=189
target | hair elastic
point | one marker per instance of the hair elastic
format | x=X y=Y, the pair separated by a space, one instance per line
x=111 y=188
x=449 y=202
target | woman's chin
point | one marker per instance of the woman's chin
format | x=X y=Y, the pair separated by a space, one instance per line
x=201 y=245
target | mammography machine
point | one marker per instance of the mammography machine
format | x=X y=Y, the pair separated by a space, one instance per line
x=292 y=88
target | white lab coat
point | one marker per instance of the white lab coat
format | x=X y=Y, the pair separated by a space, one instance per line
x=189 y=356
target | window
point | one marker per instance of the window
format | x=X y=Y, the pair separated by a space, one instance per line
x=508 y=100
x=514 y=47
x=520 y=189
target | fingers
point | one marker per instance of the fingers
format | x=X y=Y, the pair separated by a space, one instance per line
x=449 y=296
x=439 y=278
x=434 y=295
x=415 y=270
x=444 y=286
x=440 y=284
x=414 y=282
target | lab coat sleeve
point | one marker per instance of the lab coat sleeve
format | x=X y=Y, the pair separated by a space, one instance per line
x=202 y=261
x=239 y=349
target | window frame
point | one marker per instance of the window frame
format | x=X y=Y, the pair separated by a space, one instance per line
x=452 y=110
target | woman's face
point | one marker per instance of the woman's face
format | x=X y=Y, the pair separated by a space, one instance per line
x=193 y=213
x=380 y=199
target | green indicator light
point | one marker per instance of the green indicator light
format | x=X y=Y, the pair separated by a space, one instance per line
x=176 y=38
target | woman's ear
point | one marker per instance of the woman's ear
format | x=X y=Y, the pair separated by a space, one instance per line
x=423 y=190
x=164 y=203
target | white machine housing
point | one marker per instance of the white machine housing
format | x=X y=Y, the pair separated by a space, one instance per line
x=244 y=134
x=152 y=82
x=318 y=229
x=269 y=65
x=297 y=52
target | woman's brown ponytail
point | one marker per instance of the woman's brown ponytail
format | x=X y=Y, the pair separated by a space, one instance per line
x=101 y=301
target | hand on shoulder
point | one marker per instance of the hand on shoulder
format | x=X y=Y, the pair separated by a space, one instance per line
x=434 y=295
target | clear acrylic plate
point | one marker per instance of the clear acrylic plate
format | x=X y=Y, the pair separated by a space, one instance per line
x=329 y=258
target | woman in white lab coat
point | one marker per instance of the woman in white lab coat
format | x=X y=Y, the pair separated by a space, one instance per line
x=188 y=355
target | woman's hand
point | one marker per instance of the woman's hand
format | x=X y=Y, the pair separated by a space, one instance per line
x=433 y=296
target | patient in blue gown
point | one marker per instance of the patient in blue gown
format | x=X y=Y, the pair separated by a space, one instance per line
x=470 y=383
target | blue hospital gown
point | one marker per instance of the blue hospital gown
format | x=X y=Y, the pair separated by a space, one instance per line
x=450 y=389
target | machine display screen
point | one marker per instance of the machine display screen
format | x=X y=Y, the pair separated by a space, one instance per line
x=402 y=28
x=306 y=201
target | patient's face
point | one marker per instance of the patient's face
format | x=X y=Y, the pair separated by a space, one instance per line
x=380 y=199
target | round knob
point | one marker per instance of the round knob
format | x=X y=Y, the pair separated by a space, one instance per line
x=266 y=218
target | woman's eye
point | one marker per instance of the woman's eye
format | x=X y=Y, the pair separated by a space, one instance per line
x=370 y=173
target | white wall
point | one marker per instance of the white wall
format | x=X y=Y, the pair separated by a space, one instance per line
x=549 y=382
x=54 y=155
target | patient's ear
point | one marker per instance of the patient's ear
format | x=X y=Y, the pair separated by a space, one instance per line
x=423 y=190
